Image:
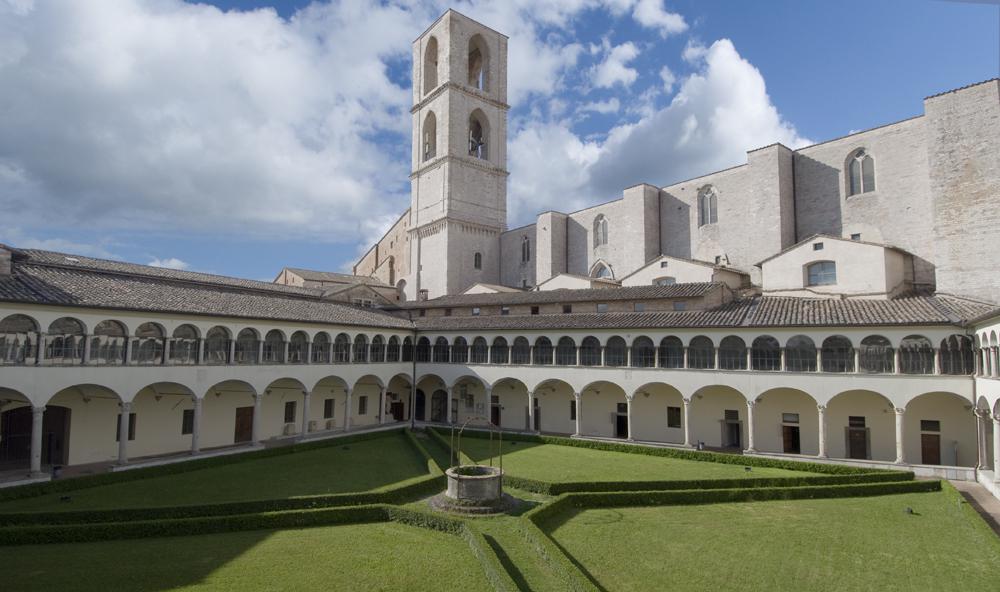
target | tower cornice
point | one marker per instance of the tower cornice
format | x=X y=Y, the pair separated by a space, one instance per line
x=460 y=88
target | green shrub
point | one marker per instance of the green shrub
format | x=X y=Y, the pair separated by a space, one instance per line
x=432 y=465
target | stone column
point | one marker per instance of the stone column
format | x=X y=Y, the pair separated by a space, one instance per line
x=232 y=352
x=578 y=397
x=628 y=410
x=937 y=360
x=685 y=364
x=783 y=359
x=284 y=352
x=531 y=412
x=168 y=344
x=448 y=406
x=982 y=417
x=86 y=348
x=895 y=362
x=123 y=432
x=347 y=410
x=381 y=394
x=128 y=351
x=900 y=456
x=577 y=355
x=37 y=414
x=819 y=359
x=822 y=431
x=602 y=355
x=260 y=352
x=750 y=442
x=749 y=358
x=201 y=352
x=628 y=357
x=687 y=420
x=306 y=398
x=996 y=448
x=40 y=349
x=309 y=353
x=715 y=353
x=258 y=399
x=857 y=360
x=196 y=426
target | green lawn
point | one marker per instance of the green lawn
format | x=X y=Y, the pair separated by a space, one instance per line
x=559 y=464
x=386 y=556
x=363 y=466
x=817 y=545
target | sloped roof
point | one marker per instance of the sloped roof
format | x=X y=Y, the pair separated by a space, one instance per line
x=340 y=278
x=691 y=290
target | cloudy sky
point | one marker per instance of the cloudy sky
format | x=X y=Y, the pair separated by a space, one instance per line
x=238 y=137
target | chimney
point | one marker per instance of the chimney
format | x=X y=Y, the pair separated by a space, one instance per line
x=5 y=261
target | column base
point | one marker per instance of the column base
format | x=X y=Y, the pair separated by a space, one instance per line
x=750 y=451
x=822 y=456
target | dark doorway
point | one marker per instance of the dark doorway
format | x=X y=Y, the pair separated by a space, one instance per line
x=538 y=415
x=857 y=443
x=15 y=445
x=244 y=425
x=930 y=449
x=439 y=406
x=396 y=409
x=790 y=439
x=420 y=406
x=495 y=414
x=621 y=421
x=733 y=436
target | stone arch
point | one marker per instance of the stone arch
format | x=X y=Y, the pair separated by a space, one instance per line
x=148 y=345
x=431 y=398
x=298 y=348
x=18 y=340
x=442 y=350
x=837 y=354
x=499 y=351
x=429 y=137
x=939 y=428
x=604 y=405
x=643 y=352
x=719 y=417
x=671 y=352
x=873 y=431
x=602 y=270
x=658 y=413
x=916 y=355
x=478 y=64
x=957 y=356
x=366 y=400
x=800 y=354
x=431 y=65
x=246 y=350
x=859 y=167
x=511 y=394
x=520 y=352
x=377 y=349
x=164 y=419
x=274 y=347
x=542 y=352
x=479 y=352
x=616 y=352
x=460 y=350
x=732 y=353
x=701 y=353
x=359 y=352
x=555 y=406
x=217 y=341
x=479 y=135
x=786 y=420
x=590 y=351
x=765 y=354
x=90 y=421
x=876 y=355
x=107 y=344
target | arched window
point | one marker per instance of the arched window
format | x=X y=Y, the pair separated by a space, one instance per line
x=821 y=273
x=590 y=352
x=322 y=348
x=708 y=206
x=407 y=350
x=500 y=351
x=732 y=353
x=246 y=346
x=297 y=348
x=430 y=137
x=460 y=351
x=602 y=271
x=377 y=349
x=478 y=135
x=147 y=348
x=765 y=354
x=860 y=173
x=431 y=65
x=17 y=339
x=480 y=351
x=615 y=352
x=566 y=352
x=342 y=349
x=107 y=346
x=916 y=355
x=701 y=353
x=671 y=353
x=360 y=349
x=521 y=352
x=600 y=231
x=477 y=260
x=542 y=352
x=274 y=347
x=643 y=353
x=837 y=354
x=184 y=345
x=525 y=249
x=217 y=342
x=441 y=350
x=800 y=354
x=479 y=64
x=65 y=341
x=392 y=349
x=876 y=355
x=956 y=355
x=665 y=281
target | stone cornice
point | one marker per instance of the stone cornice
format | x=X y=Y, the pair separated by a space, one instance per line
x=459 y=88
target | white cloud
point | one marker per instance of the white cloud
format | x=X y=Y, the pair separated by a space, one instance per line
x=668 y=78
x=611 y=105
x=694 y=51
x=652 y=15
x=169 y=263
x=18 y=238
x=614 y=69
x=718 y=113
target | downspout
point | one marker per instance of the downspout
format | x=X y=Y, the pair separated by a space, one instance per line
x=413 y=381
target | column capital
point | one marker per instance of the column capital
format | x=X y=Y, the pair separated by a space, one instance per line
x=126 y=406
x=996 y=418
x=686 y=401
x=629 y=397
x=196 y=400
x=38 y=410
x=577 y=395
x=821 y=408
x=258 y=396
x=751 y=403
x=899 y=410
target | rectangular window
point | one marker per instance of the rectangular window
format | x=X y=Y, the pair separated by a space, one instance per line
x=131 y=427
x=639 y=307
x=534 y=310
x=817 y=246
x=187 y=422
x=602 y=307
x=623 y=408
x=328 y=409
x=718 y=259
x=663 y=264
x=673 y=417
x=856 y=236
x=930 y=425
x=289 y=411
x=470 y=401
x=856 y=421
x=567 y=308
x=475 y=311
x=790 y=417
x=447 y=312
x=422 y=313
x=572 y=410
x=504 y=310
x=822 y=273
x=732 y=415
x=363 y=405
x=680 y=305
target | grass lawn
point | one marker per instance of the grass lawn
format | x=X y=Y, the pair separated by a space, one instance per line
x=559 y=464
x=816 y=545
x=365 y=465
x=385 y=556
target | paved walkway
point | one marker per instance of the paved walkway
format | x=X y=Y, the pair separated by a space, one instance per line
x=983 y=502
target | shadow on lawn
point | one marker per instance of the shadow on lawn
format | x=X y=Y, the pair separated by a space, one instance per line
x=505 y=561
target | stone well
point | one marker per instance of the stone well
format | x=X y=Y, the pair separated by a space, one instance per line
x=474 y=483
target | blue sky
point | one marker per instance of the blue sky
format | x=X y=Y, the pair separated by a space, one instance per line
x=245 y=136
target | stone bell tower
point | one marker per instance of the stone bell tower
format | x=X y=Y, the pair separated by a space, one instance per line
x=458 y=204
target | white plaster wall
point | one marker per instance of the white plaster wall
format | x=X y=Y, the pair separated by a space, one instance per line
x=768 y=425
x=958 y=428
x=861 y=268
x=554 y=406
x=649 y=414
x=879 y=418
x=708 y=409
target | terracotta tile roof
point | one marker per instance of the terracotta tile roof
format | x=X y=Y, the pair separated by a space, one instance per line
x=330 y=276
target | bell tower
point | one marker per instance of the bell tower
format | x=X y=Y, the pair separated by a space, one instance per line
x=458 y=184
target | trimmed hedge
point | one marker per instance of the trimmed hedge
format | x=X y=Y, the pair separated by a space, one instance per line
x=75 y=483
x=432 y=465
x=552 y=554
x=697 y=455
x=575 y=501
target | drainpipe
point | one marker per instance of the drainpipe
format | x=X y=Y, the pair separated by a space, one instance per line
x=413 y=382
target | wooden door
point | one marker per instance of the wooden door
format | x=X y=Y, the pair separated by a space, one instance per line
x=396 y=409
x=930 y=449
x=244 y=424
x=495 y=415
x=790 y=439
x=733 y=436
x=857 y=443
